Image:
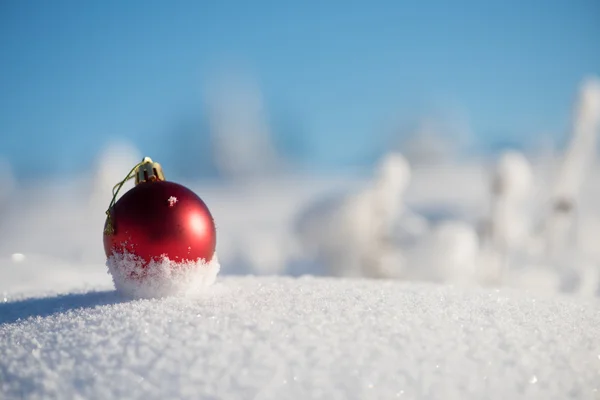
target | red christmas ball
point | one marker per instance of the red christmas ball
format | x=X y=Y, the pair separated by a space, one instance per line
x=161 y=218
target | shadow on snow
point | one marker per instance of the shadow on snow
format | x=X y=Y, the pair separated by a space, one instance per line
x=43 y=307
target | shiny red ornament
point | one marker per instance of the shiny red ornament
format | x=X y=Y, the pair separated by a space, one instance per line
x=159 y=218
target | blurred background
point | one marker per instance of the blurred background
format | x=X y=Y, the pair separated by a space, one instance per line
x=469 y=126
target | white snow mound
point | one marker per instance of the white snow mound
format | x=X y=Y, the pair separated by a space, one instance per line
x=307 y=338
x=133 y=277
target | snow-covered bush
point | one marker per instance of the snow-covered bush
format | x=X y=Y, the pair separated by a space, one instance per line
x=351 y=235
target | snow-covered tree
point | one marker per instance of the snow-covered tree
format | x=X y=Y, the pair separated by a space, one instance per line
x=352 y=235
x=448 y=253
x=240 y=132
x=561 y=221
x=508 y=228
x=510 y=219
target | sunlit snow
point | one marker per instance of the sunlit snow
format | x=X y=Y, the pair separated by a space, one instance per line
x=321 y=338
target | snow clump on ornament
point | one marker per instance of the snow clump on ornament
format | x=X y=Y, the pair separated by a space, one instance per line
x=134 y=277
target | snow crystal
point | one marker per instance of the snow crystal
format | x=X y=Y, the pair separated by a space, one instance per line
x=172 y=200
x=136 y=278
x=301 y=338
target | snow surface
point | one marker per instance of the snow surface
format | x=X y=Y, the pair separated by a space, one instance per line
x=309 y=337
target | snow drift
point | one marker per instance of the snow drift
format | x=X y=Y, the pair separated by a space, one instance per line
x=306 y=338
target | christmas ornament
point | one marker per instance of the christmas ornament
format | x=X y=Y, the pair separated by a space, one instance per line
x=159 y=234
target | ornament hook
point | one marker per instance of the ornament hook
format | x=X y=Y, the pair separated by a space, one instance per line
x=144 y=171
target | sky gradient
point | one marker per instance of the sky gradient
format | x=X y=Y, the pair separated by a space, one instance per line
x=77 y=74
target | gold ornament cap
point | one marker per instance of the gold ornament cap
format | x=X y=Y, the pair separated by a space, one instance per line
x=148 y=171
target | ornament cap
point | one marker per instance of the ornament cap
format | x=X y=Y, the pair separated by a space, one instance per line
x=148 y=171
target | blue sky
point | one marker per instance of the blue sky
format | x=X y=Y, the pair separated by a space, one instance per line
x=76 y=74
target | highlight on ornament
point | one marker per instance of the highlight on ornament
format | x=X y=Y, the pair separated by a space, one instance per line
x=159 y=237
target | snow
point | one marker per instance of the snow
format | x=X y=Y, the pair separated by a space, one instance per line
x=308 y=337
x=586 y=122
x=18 y=257
x=512 y=187
x=349 y=233
x=172 y=200
x=136 y=278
